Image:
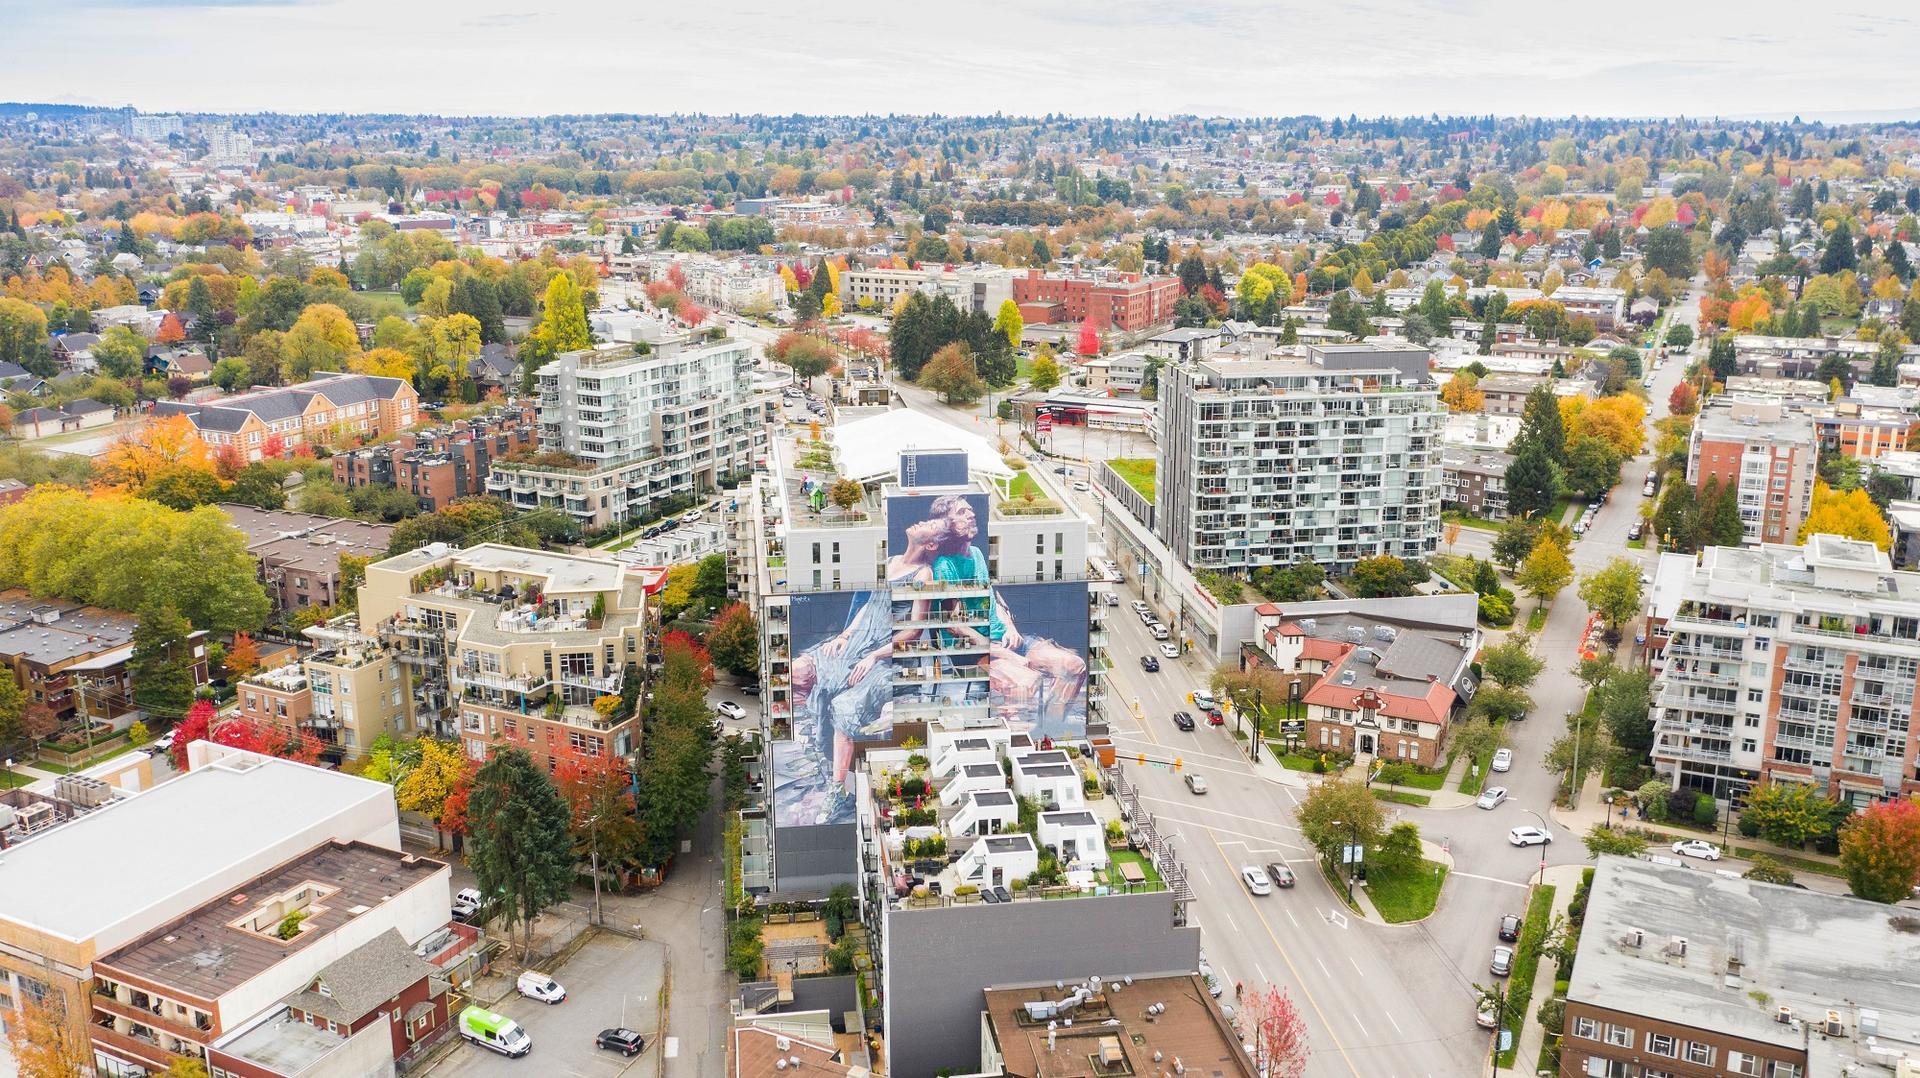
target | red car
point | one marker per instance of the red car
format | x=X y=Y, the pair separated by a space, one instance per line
x=1214 y=718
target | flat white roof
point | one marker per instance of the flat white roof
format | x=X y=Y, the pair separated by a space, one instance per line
x=870 y=448
x=145 y=852
x=564 y=573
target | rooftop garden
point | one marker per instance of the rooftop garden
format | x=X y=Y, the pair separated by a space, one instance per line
x=1137 y=471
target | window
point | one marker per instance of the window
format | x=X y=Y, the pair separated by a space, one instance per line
x=1660 y=1044
x=1786 y=1070
x=1700 y=1052
x=1619 y=1036
x=1742 y=1063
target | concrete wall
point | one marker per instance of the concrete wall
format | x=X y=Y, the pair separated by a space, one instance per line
x=939 y=962
x=809 y=859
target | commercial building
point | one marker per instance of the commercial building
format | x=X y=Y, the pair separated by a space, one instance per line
x=1767 y=453
x=1684 y=972
x=971 y=288
x=63 y=654
x=1104 y=1027
x=440 y=464
x=1475 y=482
x=329 y=409
x=510 y=646
x=1387 y=676
x=622 y=433
x=1128 y=302
x=1788 y=664
x=1329 y=457
x=57 y=922
x=299 y=553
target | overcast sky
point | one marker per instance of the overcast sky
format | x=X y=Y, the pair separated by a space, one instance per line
x=1837 y=60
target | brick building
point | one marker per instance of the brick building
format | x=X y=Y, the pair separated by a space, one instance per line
x=49 y=646
x=1767 y=453
x=329 y=409
x=299 y=553
x=441 y=464
x=1128 y=302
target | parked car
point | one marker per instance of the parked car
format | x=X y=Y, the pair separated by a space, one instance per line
x=1140 y=606
x=1150 y=664
x=1580 y=526
x=624 y=1041
x=1113 y=599
x=1256 y=880
x=1638 y=529
x=1183 y=720
x=1280 y=874
x=1486 y=1017
x=1169 y=651
x=1214 y=717
x=1082 y=486
x=1509 y=927
x=1491 y=797
x=730 y=710
x=1062 y=469
x=1196 y=784
x=1502 y=961
x=535 y=985
x=750 y=690
x=693 y=517
x=164 y=743
x=1528 y=836
x=1704 y=850
x=1503 y=760
x=494 y=1032
x=1159 y=631
x=466 y=903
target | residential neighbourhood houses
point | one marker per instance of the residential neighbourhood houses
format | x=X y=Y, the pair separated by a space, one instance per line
x=1293 y=389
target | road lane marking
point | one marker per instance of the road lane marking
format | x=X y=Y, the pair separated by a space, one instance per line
x=1358 y=1022
x=1295 y=971
x=1490 y=879
x=1356 y=966
x=1396 y=1025
x=1291 y=917
x=1323 y=968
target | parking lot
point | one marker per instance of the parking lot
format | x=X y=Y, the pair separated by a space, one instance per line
x=611 y=980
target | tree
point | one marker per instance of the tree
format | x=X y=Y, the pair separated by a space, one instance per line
x=1338 y=812
x=434 y=770
x=321 y=339
x=1622 y=843
x=1768 y=870
x=845 y=493
x=1880 y=851
x=1045 y=373
x=196 y=725
x=1668 y=250
x=121 y=352
x=734 y=641
x=808 y=355
x=1533 y=481
x=598 y=792
x=952 y=374
x=1839 y=253
x=1009 y=324
x=46 y=1040
x=1788 y=813
x=1541 y=426
x=1624 y=699
x=1679 y=335
x=1512 y=662
x=1546 y=571
x=1613 y=591
x=182 y=487
x=1684 y=400
x=1088 y=343
x=23 y=336
x=1501 y=703
x=518 y=845
x=1476 y=738
x=13 y=715
x=1461 y=395
x=1515 y=541
x=1276 y=1032
x=162 y=664
x=1851 y=514
x=160 y=446
x=1382 y=576
x=243 y=658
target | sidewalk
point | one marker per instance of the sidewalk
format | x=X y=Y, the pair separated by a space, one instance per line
x=1564 y=879
x=1593 y=812
x=33 y=775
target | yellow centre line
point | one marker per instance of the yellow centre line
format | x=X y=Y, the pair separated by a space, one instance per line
x=1234 y=871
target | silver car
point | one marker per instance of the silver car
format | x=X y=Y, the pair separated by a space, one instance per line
x=1491 y=797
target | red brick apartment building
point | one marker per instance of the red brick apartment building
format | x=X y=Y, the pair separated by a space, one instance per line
x=1124 y=301
x=441 y=464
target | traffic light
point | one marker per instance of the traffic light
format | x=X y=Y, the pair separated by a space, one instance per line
x=1176 y=763
x=1189 y=699
x=1140 y=758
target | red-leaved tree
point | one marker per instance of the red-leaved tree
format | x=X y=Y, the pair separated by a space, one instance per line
x=1684 y=400
x=1273 y=1026
x=453 y=812
x=1880 y=851
x=1089 y=344
x=273 y=447
x=190 y=729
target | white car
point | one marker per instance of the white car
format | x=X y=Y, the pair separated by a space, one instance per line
x=1706 y=851
x=534 y=985
x=164 y=743
x=1139 y=606
x=1491 y=797
x=1256 y=879
x=1503 y=760
x=692 y=517
x=730 y=710
x=1170 y=651
x=466 y=903
x=1528 y=836
x=1082 y=487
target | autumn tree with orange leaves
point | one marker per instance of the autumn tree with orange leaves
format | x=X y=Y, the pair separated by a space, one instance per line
x=163 y=444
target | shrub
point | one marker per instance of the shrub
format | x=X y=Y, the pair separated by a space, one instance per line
x=745 y=947
x=1706 y=811
x=1749 y=827
x=840 y=958
x=1496 y=610
x=1553 y=1014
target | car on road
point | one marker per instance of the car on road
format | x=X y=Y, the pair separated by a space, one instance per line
x=1639 y=529
x=1704 y=850
x=730 y=710
x=1509 y=927
x=1256 y=880
x=1183 y=721
x=494 y=1032
x=692 y=518
x=1528 y=836
x=624 y=1041
x=1491 y=797
x=1502 y=963
x=1150 y=664
x=1486 y=1017
x=1196 y=784
x=1140 y=606
x=164 y=743
x=1170 y=651
x=535 y=985
x=1214 y=717
x=1062 y=469
x=1503 y=760
x=1082 y=486
x=750 y=690
x=1159 y=631
x=1280 y=874
x=1112 y=599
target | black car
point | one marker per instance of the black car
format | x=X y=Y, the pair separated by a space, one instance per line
x=1183 y=720
x=624 y=1041
x=1509 y=928
x=750 y=690
x=1639 y=528
x=1150 y=664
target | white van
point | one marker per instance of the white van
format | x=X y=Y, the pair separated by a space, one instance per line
x=496 y=1032
x=535 y=985
x=1159 y=631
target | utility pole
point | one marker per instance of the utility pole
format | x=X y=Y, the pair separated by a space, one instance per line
x=594 y=823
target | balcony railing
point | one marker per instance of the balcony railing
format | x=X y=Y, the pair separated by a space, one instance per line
x=521 y=683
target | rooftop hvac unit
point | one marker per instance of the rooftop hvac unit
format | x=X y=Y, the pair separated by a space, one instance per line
x=82 y=790
x=1634 y=938
x=1834 y=1027
x=1309 y=625
x=1355 y=634
x=1677 y=947
x=1383 y=632
x=1784 y=1015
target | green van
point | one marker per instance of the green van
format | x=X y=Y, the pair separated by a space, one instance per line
x=495 y=1031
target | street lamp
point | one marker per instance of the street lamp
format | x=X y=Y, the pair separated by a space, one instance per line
x=1543 y=845
x=1349 y=854
x=1735 y=790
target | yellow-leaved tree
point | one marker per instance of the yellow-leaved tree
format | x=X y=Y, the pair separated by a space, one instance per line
x=163 y=444
x=1850 y=513
x=425 y=786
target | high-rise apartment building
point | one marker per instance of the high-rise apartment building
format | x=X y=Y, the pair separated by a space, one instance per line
x=1789 y=664
x=621 y=432
x=1329 y=457
x=1767 y=451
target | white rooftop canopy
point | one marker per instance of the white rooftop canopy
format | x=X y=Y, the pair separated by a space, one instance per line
x=870 y=448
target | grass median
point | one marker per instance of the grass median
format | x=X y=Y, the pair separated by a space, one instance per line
x=1526 y=959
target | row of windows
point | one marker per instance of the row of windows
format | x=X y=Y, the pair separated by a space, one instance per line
x=1668 y=1046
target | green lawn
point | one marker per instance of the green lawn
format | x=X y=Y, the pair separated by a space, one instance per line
x=1562 y=506
x=1409 y=896
x=1138 y=472
x=1125 y=856
x=1466 y=520
x=1420 y=780
x=1402 y=797
x=1526 y=957
x=1292 y=761
x=1023 y=484
x=1537 y=620
x=10 y=780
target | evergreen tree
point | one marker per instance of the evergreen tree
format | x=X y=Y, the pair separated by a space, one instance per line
x=1839 y=253
x=1897 y=262
x=162 y=664
x=1720 y=358
x=479 y=297
x=1541 y=426
x=1720 y=523
x=206 y=317
x=1193 y=274
x=1532 y=481
x=1491 y=240
x=517 y=840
